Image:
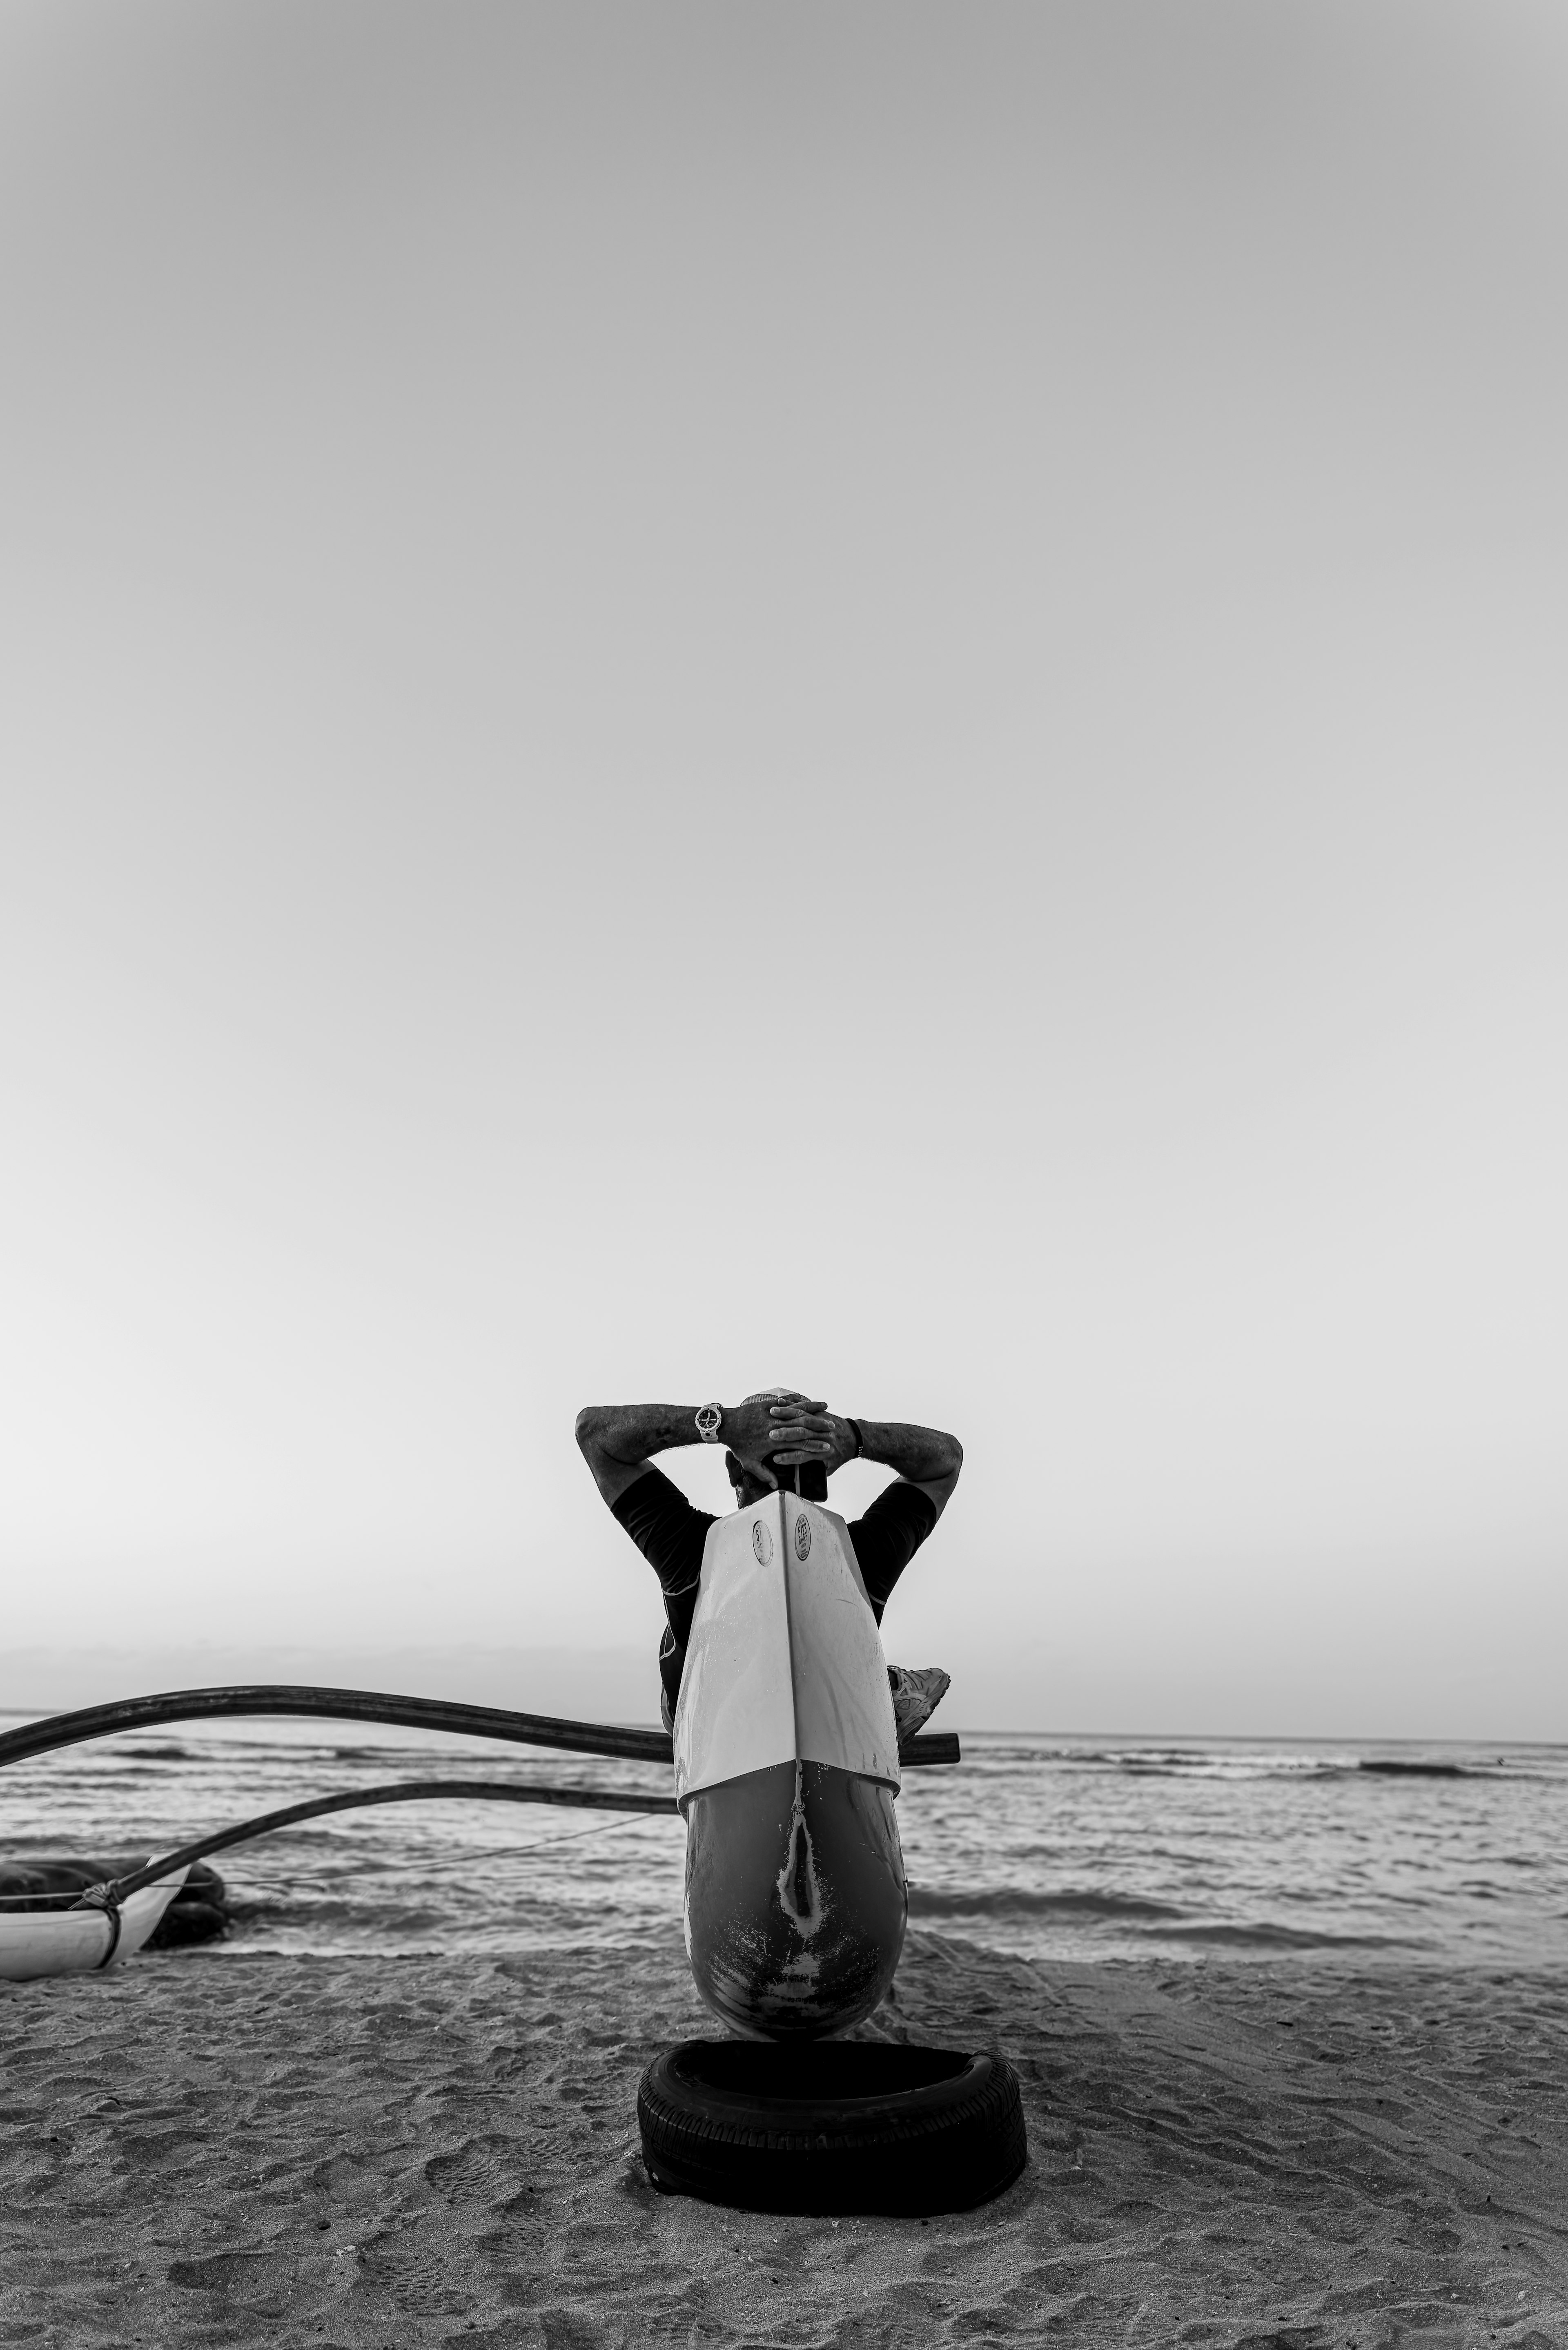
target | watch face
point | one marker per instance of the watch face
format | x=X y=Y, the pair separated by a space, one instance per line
x=708 y=1421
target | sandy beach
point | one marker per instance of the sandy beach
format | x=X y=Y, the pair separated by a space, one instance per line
x=211 y=2150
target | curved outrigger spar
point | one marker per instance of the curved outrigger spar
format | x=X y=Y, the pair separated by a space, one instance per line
x=263 y=1697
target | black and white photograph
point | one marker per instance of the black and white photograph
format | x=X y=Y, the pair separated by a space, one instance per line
x=783 y=1174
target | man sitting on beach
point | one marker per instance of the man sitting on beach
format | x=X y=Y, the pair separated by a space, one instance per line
x=778 y=1429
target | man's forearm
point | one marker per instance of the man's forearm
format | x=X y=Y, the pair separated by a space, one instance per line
x=628 y=1432
x=923 y=1455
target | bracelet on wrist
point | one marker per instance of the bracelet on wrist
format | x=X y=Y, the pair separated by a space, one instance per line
x=859 y=1439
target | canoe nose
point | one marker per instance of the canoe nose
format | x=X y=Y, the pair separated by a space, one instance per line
x=796 y=1899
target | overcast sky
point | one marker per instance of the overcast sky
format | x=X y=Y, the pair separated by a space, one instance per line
x=869 y=696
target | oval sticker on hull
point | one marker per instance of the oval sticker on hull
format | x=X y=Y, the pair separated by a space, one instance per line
x=802 y=1537
x=761 y=1542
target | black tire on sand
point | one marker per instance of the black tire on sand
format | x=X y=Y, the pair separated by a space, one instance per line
x=835 y=2127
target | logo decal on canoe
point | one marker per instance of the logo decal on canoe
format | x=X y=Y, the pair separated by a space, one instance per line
x=761 y=1542
x=803 y=1536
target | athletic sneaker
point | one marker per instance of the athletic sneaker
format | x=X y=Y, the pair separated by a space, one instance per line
x=915 y=1695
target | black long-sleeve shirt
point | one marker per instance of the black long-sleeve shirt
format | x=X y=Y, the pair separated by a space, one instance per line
x=671 y=1532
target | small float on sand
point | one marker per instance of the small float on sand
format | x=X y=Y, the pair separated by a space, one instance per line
x=78 y=1932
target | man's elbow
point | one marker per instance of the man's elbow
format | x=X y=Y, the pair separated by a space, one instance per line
x=955 y=1457
x=590 y=1426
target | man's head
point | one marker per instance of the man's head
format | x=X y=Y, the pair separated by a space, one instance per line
x=748 y=1488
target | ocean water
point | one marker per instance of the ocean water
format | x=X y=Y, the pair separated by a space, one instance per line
x=1091 y=1849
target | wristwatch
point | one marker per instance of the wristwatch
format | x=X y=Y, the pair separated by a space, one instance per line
x=710 y=1420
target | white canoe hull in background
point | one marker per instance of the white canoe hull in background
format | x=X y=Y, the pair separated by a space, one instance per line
x=36 y=1942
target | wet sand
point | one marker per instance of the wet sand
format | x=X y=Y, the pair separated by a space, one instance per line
x=225 y=2149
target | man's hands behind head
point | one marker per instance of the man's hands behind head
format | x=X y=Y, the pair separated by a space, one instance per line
x=750 y=1430
x=803 y=1431
x=784 y=1428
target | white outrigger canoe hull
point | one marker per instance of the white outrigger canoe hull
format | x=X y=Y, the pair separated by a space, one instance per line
x=786 y=1770
x=35 y=1942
